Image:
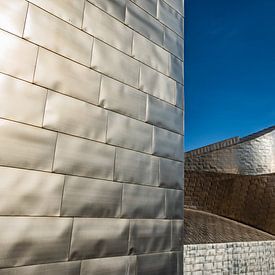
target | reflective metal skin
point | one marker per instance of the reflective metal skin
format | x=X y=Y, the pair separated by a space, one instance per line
x=91 y=137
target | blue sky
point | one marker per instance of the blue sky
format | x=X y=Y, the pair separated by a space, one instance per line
x=229 y=69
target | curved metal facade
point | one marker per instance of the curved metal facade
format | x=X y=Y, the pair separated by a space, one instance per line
x=91 y=134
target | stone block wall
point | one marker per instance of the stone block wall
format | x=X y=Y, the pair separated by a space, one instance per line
x=91 y=134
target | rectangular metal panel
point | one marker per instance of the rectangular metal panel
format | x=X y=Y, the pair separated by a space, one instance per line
x=97 y=23
x=129 y=133
x=176 y=69
x=178 y=5
x=13 y=14
x=150 y=54
x=85 y=197
x=64 y=268
x=174 y=204
x=143 y=202
x=68 y=10
x=157 y=84
x=21 y=101
x=115 y=8
x=150 y=236
x=81 y=157
x=176 y=259
x=114 y=63
x=177 y=234
x=17 y=56
x=164 y=115
x=96 y=238
x=167 y=144
x=26 y=241
x=106 y=266
x=26 y=146
x=179 y=96
x=122 y=98
x=170 y=17
x=173 y=43
x=144 y=23
x=60 y=115
x=170 y=173
x=136 y=167
x=50 y=32
x=60 y=74
x=154 y=264
x=26 y=192
x=148 y=5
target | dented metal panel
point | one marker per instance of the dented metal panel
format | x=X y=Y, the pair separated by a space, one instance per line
x=143 y=202
x=178 y=5
x=81 y=157
x=129 y=133
x=173 y=43
x=174 y=204
x=96 y=238
x=85 y=197
x=60 y=115
x=179 y=96
x=176 y=69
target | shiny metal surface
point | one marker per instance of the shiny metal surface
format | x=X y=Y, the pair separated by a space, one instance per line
x=85 y=197
x=176 y=69
x=178 y=5
x=174 y=204
x=173 y=43
x=21 y=101
x=96 y=238
x=148 y=5
x=60 y=115
x=177 y=234
x=129 y=133
x=143 y=202
x=26 y=241
x=179 y=96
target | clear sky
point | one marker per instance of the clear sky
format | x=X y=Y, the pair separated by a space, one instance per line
x=229 y=69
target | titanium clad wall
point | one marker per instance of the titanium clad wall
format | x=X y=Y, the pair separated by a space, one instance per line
x=91 y=137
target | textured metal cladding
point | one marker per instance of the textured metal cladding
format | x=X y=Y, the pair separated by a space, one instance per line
x=21 y=101
x=13 y=14
x=26 y=241
x=177 y=236
x=148 y=5
x=115 y=266
x=65 y=76
x=179 y=96
x=60 y=115
x=176 y=69
x=174 y=204
x=178 y=5
x=122 y=98
x=37 y=193
x=81 y=157
x=85 y=197
x=143 y=202
x=173 y=42
x=95 y=238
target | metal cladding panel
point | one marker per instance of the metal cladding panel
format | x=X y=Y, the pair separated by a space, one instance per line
x=96 y=238
x=164 y=115
x=173 y=43
x=81 y=157
x=116 y=8
x=21 y=101
x=143 y=202
x=122 y=98
x=177 y=234
x=148 y=5
x=13 y=49
x=170 y=173
x=179 y=96
x=25 y=146
x=136 y=167
x=176 y=69
x=85 y=197
x=68 y=10
x=106 y=266
x=129 y=133
x=65 y=76
x=53 y=33
x=167 y=144
x=174 y=204
x=144 y=23
x=157 y=84
x=63 y=268
x=114 y=63
x=26 y=241
x=170 y=17
x=149 y=236
x=178 y=5
x=13 y=14
x=97 y=23
x=60 y=115
x=32 y=193
x=150 y=54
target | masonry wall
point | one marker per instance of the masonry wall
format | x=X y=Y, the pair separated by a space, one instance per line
x=91 y=134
